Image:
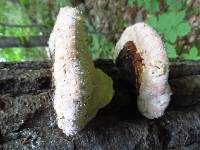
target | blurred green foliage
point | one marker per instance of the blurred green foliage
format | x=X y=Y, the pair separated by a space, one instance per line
x=27 y=12
x=171 y=25
x=171 y=22
x=23 y=54
x=16 y=13
x=192 y=55
x=100 y=47
x=151 y=6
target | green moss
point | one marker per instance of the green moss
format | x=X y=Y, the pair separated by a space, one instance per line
x=96 y=86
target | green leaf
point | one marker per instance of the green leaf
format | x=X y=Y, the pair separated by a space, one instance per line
x=151 y=6
x=130 y=2
x=171 y=51
x=148 y=6
x=192 y=55
x=155 y=6
x=178 y=18
x=152 y=21
x=183 y=29
x=193 y=52
x=165 y=22
x=170 y=36
x=174 y=4
x=140 y=2
x=88 y=25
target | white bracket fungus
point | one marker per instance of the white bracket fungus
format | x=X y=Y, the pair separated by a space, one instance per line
x=80 y=89
x=151 y=68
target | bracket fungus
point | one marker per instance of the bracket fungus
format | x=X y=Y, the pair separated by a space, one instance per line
x=151 y=68
x=80 y=89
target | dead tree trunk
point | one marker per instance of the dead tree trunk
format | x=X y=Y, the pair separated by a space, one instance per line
x=28 y=121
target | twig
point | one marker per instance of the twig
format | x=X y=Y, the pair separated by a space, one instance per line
x=104 y=33
x=32 y=41
x=23 y=26
x=43 y=26
x=191 y=3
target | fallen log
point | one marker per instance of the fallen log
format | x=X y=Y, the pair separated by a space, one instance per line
x=28 y=121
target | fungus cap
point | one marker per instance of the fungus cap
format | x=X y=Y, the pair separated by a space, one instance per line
x=152 y=74
x=80 y=89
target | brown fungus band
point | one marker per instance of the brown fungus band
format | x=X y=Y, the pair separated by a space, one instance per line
x=137 y=60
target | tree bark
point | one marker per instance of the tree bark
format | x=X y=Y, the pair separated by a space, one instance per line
x=28 y=121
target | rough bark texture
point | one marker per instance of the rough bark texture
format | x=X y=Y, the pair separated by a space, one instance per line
x=27 y=118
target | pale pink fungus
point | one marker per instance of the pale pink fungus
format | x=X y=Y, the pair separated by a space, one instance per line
x=151 y=68
x=80 y=89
